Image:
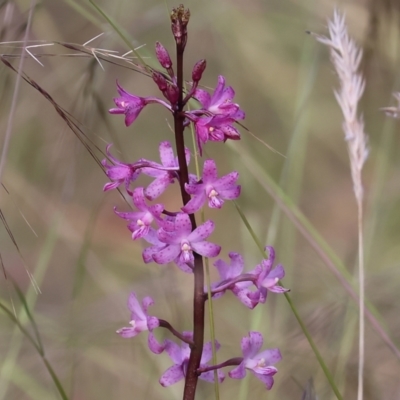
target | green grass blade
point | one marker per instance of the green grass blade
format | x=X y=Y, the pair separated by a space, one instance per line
x=38 y=349
x=9 y=361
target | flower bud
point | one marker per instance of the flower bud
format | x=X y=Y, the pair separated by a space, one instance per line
x=160 y=80
x=163 y=56
x=172 y=93
x=179 y=20
x=198 y=70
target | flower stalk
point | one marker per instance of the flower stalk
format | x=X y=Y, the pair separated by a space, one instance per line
x=177 y=237
x=346 y=57
x=179 y=20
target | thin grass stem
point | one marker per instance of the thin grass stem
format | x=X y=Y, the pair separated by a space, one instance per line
x=39 y=349
x=361 y=280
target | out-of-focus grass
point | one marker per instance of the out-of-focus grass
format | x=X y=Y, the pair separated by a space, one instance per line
x=284 y=81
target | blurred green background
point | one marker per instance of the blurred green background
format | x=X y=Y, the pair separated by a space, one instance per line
x=82 y=256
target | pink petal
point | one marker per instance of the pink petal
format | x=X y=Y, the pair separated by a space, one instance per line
x=152 y=323
x=219 y=89
x=228 y=94
x=226 y=181
x=207 y=352
x=168 y=237
x=244 y=298
x=174 y=351
x=167 y=254
x=153 y=344
x=119 y=172
x=278 y=289
x=230 y=194
x=268 y=282
x=139 y=199
x=128 y=332
x=256 y=341
x=277 y=272
x=201 y=232
x=209 y=171
x=195 y=203
x=234 y=269
x=116 y=110
x=183 y=266
x=230 y=132
x=209 y=376
x=203 y=97
x=271 y=253
x=271 y=356
x=238 y=373
x=131 y=116
x=158 y=186
x=146 y=303
x=187 y=155
x=135 y=307
x=110 y=185
x=206 y=249
x=266 y=379
x=171 y=375
x=148 y=253
x=166 y=154
x=245 y=344
x=239 y=114
x=183 y=226
x=194 y=188
x=223 y=268
x=153 y=171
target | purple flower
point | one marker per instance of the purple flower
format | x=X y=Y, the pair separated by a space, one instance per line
x=229 y=272
x=214 y=121
x=141 y=220
x=120 y=172
x=260 y=364
x=211 y=188
x=267 y=278
x=221 y=102
x=132 y=105
x=181 y=242
x=215 y=128
x=126 y=173
x=141 y=321
x=163 y=178
x=180 y=356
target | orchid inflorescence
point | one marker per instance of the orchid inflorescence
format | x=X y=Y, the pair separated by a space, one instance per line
x=174 y=236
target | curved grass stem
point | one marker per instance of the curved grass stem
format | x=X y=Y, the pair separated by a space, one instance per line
x=39 y=349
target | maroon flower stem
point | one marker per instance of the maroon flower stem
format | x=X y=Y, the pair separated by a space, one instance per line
x=224 y=285
x=227 y=363
x=198 y=299
x=167 y=325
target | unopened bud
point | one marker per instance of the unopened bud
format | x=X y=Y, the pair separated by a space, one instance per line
x=160 y=80
x=179 y=20
x=163 y=56
x=198 y=70
x=172 y=93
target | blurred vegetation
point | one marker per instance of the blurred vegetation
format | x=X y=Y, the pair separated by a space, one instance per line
x=82 y=256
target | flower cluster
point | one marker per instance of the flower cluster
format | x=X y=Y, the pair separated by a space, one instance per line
x=173 y=235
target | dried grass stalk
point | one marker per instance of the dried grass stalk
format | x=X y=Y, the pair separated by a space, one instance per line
x=346 y=58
